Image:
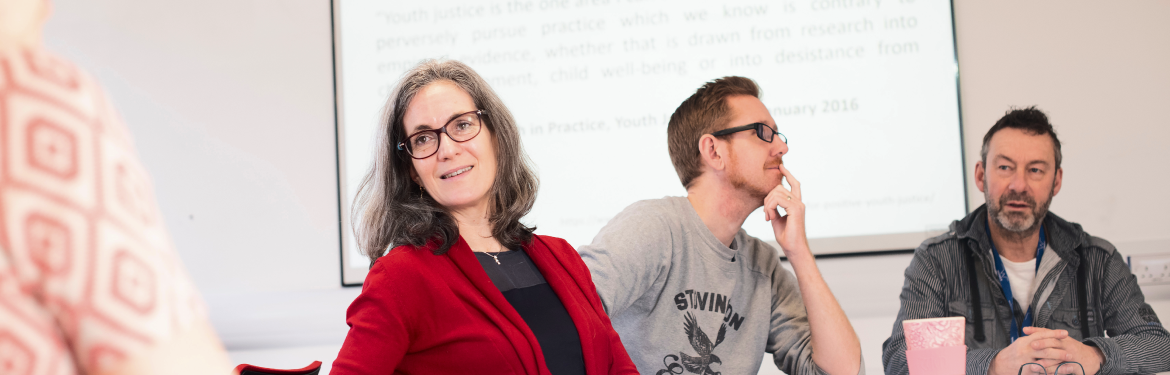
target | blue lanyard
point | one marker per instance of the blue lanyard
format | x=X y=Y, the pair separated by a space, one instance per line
x=1006 y=285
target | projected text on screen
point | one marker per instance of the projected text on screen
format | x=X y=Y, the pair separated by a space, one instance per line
x=864 y=90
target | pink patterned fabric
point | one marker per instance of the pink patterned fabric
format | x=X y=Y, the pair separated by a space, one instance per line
x=934 y=333
x=88 y=276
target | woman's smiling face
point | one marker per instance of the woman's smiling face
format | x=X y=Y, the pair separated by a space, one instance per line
x=460 y=174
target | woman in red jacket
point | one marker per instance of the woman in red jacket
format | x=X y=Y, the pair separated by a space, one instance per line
x=467 y=288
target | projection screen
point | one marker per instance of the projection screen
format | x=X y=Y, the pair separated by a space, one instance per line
x=865 y=90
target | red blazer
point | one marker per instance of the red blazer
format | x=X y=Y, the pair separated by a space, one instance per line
x=421 y=313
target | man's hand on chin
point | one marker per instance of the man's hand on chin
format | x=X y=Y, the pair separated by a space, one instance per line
x=789 y=229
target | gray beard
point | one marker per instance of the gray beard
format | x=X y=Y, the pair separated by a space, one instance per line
x=1016 y=225
x=1004 y=221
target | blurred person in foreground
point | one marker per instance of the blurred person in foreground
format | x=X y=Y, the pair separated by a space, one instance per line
x=89 y=280
x=1033 y=287
x=688 y=288
x=458 y=284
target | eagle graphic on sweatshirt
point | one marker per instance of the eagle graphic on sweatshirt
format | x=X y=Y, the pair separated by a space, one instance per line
x=701 y=364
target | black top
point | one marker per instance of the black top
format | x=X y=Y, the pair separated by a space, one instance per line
x=525 y=288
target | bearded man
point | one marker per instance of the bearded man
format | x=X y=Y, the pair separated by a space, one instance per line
x=687 y=289
x=1044 y=291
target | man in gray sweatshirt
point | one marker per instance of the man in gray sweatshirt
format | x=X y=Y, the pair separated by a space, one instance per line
x=687 y=289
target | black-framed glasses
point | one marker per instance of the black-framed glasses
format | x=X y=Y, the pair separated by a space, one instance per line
x=1063 y=368
x=765 y=132
x=462 y=128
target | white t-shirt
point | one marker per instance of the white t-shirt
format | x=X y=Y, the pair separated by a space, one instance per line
x=1022 y=275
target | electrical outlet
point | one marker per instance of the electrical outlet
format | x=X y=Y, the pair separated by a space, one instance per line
x=1150 y=269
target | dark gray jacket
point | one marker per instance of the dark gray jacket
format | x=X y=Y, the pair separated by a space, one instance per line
x=938 y=285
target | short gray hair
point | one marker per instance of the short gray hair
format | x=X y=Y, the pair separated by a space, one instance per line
x=1029 y=120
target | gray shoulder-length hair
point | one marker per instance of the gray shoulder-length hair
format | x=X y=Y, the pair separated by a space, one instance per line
x=391 y=210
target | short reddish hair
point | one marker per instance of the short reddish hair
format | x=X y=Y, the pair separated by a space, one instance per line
x=706 y=111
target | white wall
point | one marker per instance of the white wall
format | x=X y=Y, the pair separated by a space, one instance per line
x=231 y=105
x=253 y=211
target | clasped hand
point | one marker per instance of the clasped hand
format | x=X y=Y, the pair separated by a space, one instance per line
x=1048 y=348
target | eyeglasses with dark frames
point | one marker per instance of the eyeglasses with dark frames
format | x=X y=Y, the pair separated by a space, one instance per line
x=1064 y=368
x=763 y=131
x=462 y=128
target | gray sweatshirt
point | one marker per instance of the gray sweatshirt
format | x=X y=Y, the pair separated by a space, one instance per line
x=685 y=303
